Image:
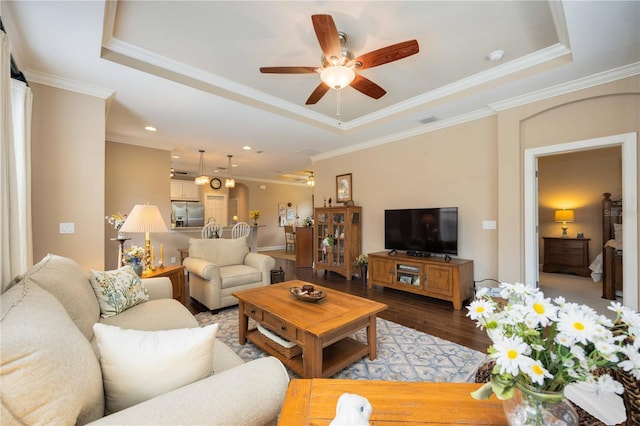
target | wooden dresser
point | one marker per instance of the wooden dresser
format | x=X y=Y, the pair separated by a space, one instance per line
x=566 y=255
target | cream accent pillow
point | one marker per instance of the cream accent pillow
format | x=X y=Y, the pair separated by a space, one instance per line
x=139 y=365
x=117 y=290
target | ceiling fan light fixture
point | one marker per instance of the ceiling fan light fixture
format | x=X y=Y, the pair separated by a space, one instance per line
x=337 y=76
x=311 y=181
x=202 y=178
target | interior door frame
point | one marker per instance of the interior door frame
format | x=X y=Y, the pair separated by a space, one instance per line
x=628 y=144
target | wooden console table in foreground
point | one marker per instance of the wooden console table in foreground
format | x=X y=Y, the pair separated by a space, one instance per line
x=313 y=402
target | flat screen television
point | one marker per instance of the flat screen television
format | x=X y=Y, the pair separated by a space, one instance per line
x=421 y=232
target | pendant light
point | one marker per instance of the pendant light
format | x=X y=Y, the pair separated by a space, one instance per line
x=202 y=178
x=230 y=182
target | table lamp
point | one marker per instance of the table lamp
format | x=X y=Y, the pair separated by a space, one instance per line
x=145 y=218
x=564 y=216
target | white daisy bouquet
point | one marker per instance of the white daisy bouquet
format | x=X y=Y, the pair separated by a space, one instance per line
x=549 y=344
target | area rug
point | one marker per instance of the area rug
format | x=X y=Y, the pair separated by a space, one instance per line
x=404 y=354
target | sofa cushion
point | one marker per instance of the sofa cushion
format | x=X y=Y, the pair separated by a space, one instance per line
x=138 y=365
x=48 y=369
x=117 y=290
x=65 y=279
x=237 y=275
x=221 y=251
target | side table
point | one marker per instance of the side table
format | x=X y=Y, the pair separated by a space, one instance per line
x=175 y=274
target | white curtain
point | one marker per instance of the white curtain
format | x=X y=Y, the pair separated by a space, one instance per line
x=16 y=248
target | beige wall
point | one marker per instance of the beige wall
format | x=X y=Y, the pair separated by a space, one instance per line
x=453 y=167
x=475 y=166
x=67 y=162
x=599 y=111
x=478 y=167
x=577 y=181
x=270 y=234
x=135 y=175
x=141 y=175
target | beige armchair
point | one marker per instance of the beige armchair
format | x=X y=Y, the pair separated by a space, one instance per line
x=219 y=267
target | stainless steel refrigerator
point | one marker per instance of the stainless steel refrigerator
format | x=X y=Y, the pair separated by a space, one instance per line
x=187 y=213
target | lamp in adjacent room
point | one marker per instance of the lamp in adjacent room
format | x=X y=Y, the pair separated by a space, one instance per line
x=564 y=216
x=230 y=181
x=202 y=178
x=145 y=218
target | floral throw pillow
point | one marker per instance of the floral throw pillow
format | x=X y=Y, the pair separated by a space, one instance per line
x=117 y=290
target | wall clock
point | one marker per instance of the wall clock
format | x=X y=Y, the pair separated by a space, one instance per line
x=215 y=183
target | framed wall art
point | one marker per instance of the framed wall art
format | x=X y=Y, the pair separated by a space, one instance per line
x=343 y=188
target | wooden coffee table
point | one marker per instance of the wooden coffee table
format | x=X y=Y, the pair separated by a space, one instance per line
x=313 y=402
x=321 y=329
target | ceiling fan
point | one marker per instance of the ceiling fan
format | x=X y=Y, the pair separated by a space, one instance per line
x=338 y=64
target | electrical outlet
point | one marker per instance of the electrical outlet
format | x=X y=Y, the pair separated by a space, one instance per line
x=67 y=228
x=488 y=224
x=173 y=260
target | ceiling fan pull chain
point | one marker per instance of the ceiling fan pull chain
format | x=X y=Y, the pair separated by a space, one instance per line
x=338 y=105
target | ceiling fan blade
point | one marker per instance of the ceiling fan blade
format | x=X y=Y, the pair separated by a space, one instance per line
x=386 y=54
x=327 y=35
x=368 y=87
x=288 y=70
x=317 y=94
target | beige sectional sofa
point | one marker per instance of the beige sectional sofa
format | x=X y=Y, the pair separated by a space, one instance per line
x=219 y=267
x=51 y=365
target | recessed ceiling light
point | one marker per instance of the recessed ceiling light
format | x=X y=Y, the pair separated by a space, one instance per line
x=246 y=148
x=175 y=157
x=150 y=128
x=496 y=55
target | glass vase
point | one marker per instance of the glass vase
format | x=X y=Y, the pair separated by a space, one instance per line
x=137 y=268
x=532 y=407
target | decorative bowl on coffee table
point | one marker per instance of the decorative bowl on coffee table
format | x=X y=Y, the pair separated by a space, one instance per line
x=308 y=295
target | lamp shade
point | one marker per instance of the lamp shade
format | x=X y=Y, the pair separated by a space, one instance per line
x=564 y=216
x=144 y=218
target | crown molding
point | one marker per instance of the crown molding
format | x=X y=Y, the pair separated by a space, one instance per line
x=506 y=70
x=493 y=108
x=67 y=84
x=405 y=134
x=144 y=60
x=572 y=86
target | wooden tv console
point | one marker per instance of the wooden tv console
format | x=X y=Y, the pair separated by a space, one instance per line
x=432 y=276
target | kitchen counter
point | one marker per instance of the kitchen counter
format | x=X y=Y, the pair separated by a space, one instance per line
x=226 y=233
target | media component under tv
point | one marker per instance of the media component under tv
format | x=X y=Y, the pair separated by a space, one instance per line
x=421 y=232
